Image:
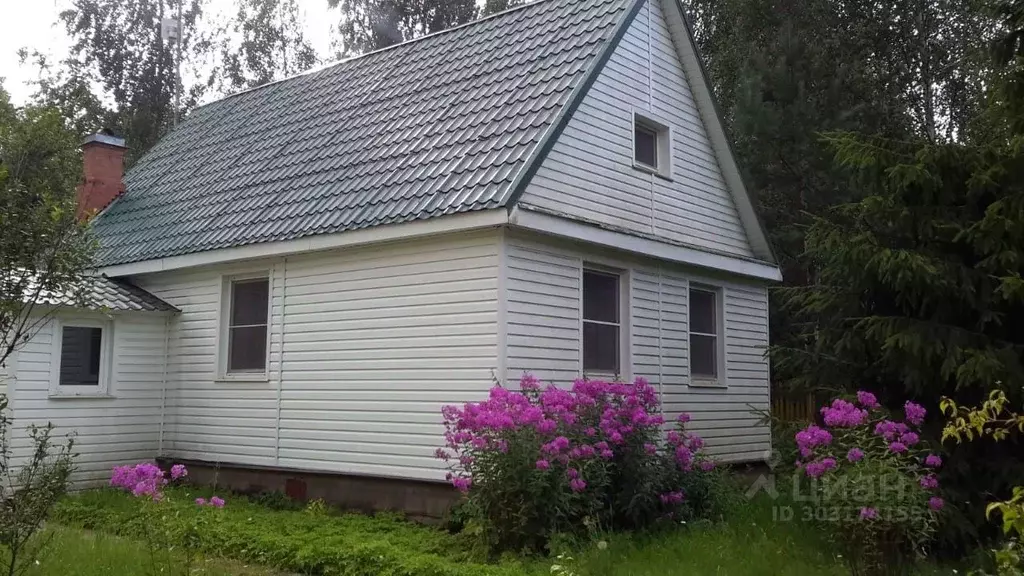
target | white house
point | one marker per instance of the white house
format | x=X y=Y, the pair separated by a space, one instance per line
x=300 y=276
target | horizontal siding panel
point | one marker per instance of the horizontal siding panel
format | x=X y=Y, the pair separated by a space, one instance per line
x=659 y=339
x=588 y=173
x=121 y=428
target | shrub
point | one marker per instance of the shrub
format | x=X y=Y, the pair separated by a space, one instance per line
x=29 y=490
x=538 y=462
x=165 y=529
x=873 y=481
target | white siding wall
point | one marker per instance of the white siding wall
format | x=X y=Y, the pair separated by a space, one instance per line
x=375 y=341
x=543 y=326
x=589 y=173
x=121 y=428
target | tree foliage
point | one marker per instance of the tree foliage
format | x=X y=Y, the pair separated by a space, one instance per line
x=916 y=289
x=119 y=41
x=374 y=24
x=495 y=6
x=264 y=42
x=44 y=250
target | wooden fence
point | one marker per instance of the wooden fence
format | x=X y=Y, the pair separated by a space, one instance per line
x=793 y=408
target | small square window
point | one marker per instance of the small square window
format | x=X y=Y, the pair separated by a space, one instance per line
x=81 y=353
x=652 y=146
x=704 y=334
x=601 y=322
x=247 y=326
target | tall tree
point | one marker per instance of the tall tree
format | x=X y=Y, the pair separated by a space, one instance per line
x=44 y=250
x=785 y=71
x=374 y=24
x=918 y=288
x=495 y=6
x=120 y=41
x=265 y=41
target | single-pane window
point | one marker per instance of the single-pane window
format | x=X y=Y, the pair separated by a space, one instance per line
x=601 y=323
x=704 y=333
x=81 y=350
x=645 y=146
x=247 y=327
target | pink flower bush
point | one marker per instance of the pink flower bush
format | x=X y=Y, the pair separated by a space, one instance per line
x=876 y=472
x=569 y=455
x=142 y=480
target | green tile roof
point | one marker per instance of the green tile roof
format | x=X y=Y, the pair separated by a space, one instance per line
x=435 y=126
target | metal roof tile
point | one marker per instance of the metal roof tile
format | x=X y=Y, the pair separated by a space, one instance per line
x=434 y=126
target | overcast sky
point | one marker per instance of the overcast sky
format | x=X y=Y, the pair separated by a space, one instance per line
x=32 y=24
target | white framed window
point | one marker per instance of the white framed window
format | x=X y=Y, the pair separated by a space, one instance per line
x=82 y=353
x=602 y=315
x=652 y=145
x=245 y=327
x=707 y=364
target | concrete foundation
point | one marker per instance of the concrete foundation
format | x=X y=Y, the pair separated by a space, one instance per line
x=420 y=500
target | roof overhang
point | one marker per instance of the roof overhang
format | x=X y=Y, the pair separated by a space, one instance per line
x=593 y=233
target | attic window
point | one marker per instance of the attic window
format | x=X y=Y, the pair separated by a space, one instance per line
x=652 y=146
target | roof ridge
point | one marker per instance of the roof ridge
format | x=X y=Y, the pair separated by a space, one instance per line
x=322 y=67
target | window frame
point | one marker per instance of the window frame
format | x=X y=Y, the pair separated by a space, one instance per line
x=105 y=376
x=719 y=380
x=623 y=360
x=224 y=333
x=663 y=147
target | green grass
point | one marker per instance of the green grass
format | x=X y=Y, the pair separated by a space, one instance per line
x=752 y=542
x=84 y=553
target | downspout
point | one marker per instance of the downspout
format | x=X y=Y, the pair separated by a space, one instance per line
x=163 y=385
x=280 y=361
x=661 y=350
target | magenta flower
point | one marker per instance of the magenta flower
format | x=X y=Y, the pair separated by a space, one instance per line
x=572 y=473
x=707 y=465
x=843 y=414
x=543 y=465
x=890 y=430
x=819 y=467
x=812 y=437
x=650 y=449
x=929 y=482
x=867 y=400
x=577 y=485
x=178 y=471
x=933 y=461
x=462 y=484
x=441 y=454
x=217 y=502
x=868 y=513
x=936 y=503
x=897 y=447
x=855 y=455
x=910 y=438
x=683 y=418
x=200 y=501
x=915 y=413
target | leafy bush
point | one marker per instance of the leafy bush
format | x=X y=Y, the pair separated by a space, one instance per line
x=164 y=529
x=539 y=462
x=293 y=541
x=993 y=420
x=873 y=481
x=29 y=491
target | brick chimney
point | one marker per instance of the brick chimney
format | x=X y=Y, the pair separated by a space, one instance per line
x=102 y=171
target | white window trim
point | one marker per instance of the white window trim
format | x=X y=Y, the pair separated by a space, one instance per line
x=103 y=388
x=224 y=321
x=703 y=381
x=664 y=143
x=625 y=360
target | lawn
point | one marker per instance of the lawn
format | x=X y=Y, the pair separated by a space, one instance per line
x=97 y=530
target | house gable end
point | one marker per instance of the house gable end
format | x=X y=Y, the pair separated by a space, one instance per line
x=653 y=75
